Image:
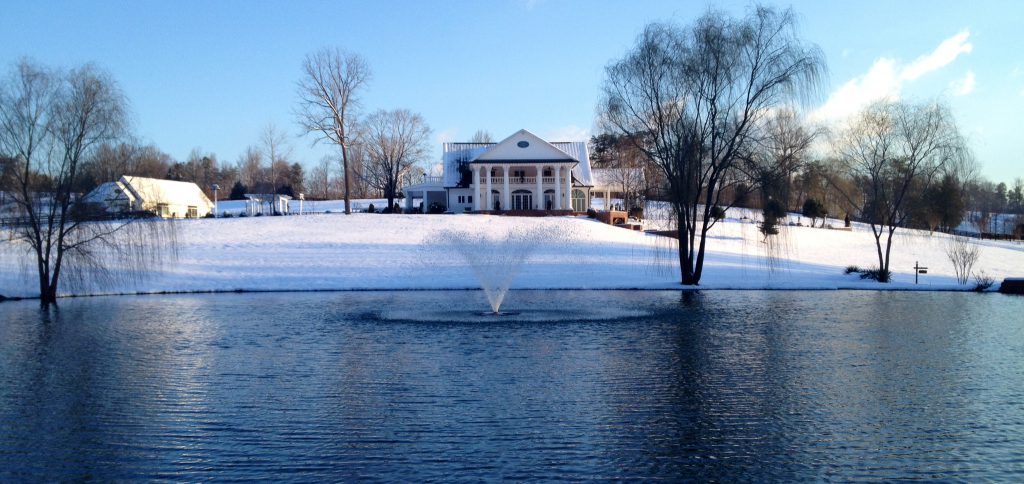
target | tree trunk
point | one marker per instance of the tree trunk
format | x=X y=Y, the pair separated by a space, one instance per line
x=48 y=294
x=685 y=258
x=344 y=167
x=888 y=250
x=878 y=248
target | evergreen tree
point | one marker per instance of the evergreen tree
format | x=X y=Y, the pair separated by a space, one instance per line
x=238 y=191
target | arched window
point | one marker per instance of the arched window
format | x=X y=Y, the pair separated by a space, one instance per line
x=579 y=201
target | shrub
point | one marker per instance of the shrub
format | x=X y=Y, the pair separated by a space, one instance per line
x=370 y=209
x=243 y=214
x=876 y=274
x=227 y=215
x=436 y=207
x=772 y=211
x=852 y=270
x=591 y=213
x=983 y=282
x=814 y=210
x=717 y=213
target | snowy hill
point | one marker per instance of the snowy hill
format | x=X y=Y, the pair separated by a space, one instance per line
x=333 y=251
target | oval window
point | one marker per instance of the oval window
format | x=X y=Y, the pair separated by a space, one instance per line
x=523 y=144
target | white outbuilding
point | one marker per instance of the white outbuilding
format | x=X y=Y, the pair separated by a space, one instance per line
x=164 y=198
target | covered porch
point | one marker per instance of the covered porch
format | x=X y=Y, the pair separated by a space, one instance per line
x=526 y=186
x=429 y=190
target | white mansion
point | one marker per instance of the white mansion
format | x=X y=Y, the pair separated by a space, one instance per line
x=522 y=172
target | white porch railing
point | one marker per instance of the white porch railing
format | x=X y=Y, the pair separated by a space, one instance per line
x=519 y=180
x=425 y=180
x=515 y=180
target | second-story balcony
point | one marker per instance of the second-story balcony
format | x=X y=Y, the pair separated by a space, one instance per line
x=424 y=180
x=518 y=180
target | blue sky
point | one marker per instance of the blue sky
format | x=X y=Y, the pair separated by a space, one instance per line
x=213 y=74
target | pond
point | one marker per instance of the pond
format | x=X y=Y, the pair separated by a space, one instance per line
x=719 y=385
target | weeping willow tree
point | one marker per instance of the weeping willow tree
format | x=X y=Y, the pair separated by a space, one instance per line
x=697 y=98
x=50 y=121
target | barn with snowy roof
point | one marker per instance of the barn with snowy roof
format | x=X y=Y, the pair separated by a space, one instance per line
x=520 y=173
x=164 y=198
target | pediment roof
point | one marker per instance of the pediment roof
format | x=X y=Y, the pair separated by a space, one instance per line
x=522 y=145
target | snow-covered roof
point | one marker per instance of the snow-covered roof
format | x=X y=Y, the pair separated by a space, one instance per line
x=106 y=193
x=262 y=197
x=509 y=150
x=153 y=190
x=613 y=177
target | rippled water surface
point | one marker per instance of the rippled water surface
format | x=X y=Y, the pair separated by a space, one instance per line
x=384 y=386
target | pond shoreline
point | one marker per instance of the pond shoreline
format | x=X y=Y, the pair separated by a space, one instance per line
x=994 y=289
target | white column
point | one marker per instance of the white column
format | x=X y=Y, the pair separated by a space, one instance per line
x=490 y=199
x=540 y=189
x=558 y=187
x=568 y=187
x=476 y=188
x=423 y=207
x=506 y=202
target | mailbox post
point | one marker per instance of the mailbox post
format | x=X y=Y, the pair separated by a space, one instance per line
x=919 y=269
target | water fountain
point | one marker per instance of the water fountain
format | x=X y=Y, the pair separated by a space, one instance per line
x=496 y=258
x=496 y=250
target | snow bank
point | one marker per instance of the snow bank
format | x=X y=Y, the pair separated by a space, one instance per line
x=333 y=251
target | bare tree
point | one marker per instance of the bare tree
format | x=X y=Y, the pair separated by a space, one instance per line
x=111 y=161
x=319 y=183
x=963 y=254
x=395 y=141
x=250 y=167
x=51 y=122
x=328 y=92
x=694 y=98
x=627 y=171
x=889 y=149
x=481 y=136
x=276 y=153
x=778 y=152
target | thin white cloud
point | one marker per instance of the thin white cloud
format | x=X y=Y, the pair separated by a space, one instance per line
x=942 y=56
x=965 y=86
x=568 y=133
x=880 y=82
x=886 y=78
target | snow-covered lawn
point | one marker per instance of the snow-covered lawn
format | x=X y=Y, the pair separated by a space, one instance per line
x=373 y=251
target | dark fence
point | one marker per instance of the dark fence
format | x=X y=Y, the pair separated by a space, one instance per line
x=9 y=222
